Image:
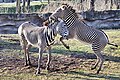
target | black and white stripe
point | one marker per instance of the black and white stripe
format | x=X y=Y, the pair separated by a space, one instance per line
x=69 y=19
x=88 y=37
x=50 y=36
x=83 y=32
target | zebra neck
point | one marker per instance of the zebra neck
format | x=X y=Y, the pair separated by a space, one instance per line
x=69 y=19
x=50 y=36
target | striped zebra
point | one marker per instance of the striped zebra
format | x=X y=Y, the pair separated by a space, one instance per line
x=79 y=30
x=40 y=37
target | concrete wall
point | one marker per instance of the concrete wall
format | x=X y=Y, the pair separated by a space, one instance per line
x=9 y=23
x=102 y=19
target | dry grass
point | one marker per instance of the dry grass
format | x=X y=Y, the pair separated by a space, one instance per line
x=66 y=65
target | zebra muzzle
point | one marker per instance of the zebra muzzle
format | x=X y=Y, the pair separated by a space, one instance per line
x=65 y=37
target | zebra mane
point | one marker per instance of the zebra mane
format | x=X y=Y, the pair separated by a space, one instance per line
x=70 y=8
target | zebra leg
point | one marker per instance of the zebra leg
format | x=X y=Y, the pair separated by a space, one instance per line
x=101 y=62
x=49 y=59
x=24 y=48
x=97 y=47
x=23 y=43
x=94 y=67
x=65 y=45
x=27 y=54
x=39 y=60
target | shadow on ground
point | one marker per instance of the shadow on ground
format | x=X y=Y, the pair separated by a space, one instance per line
x=85 y=55
x=110 y=77
x=12 y=43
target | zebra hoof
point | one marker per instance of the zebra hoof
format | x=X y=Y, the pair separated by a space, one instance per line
x=92 y=68
x=49 y=71
x=67 y=47
x=97 y=71
x=47 y=68
x=37 y=73
x=25 y=64
x=30 y=64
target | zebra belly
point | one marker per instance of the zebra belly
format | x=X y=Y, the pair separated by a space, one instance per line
x=84 y=38
x=87 y=35
x=32 y=38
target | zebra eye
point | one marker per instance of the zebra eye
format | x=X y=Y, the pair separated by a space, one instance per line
x=57 y=11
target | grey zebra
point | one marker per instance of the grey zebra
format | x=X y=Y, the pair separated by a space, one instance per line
x=40 y=37
x=79 y=30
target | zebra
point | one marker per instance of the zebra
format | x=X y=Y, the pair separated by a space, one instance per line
x=79 y=30
x=41 y=37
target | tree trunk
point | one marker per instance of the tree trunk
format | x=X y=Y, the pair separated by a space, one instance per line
x=28 y=6
x=118 y=4
x=18 y=7
x=48 y=1
x=92 y=5
x=111 y=4
x=23 y=6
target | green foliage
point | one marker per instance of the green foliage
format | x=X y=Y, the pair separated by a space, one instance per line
x=11 y=7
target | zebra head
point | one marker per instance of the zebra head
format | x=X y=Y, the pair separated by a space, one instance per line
x=62 y=29
x=62 y=12
x=59 y=27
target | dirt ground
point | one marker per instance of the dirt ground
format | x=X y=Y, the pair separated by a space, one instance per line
x=11 y=62
x=58 y=64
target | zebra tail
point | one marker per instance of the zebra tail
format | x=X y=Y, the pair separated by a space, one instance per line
x=113 y=44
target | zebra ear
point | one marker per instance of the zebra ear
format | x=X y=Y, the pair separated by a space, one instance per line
x=59 y=19
x=70 y=7
x=63 y=7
